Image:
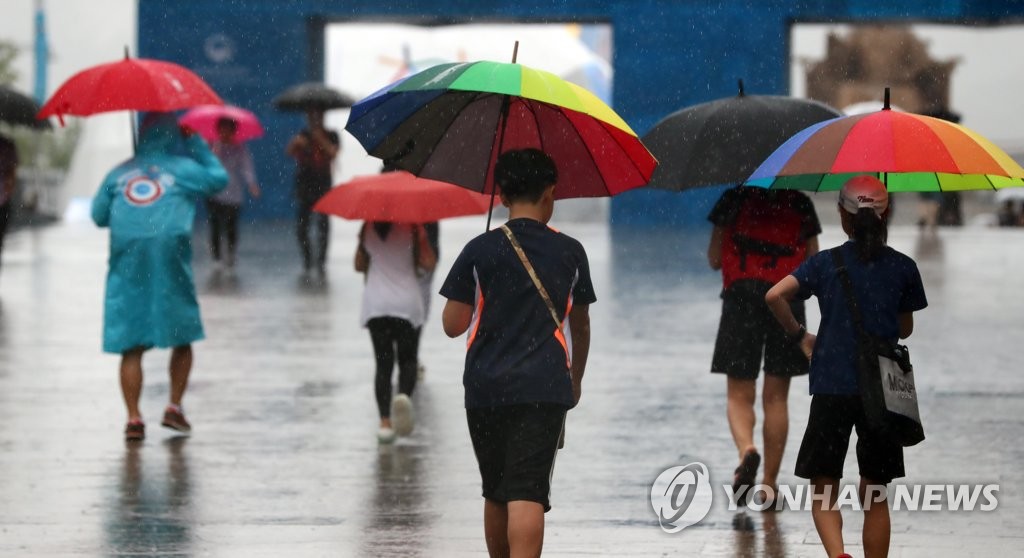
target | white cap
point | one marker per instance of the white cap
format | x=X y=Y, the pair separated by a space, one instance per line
x=864 y=191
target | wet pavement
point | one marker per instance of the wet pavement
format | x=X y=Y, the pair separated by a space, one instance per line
x=284 y=459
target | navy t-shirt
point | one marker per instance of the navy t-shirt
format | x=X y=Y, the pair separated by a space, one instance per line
x=884 y=288
x=515 y=353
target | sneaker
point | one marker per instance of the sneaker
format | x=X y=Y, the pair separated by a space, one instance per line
x=175 y=420
x=135 y=431
x=401 y=414
x=386 y=435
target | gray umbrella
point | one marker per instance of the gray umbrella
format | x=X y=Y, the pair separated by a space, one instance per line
x=312 y=95
x=723 y=141
x=16 y=108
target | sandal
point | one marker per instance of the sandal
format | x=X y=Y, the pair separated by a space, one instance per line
x=745 y=475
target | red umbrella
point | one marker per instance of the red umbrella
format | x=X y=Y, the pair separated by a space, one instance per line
x=203 y=120
x=137 y=84
x=400 y=197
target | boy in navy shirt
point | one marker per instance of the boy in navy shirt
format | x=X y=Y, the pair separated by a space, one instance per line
x=522 y=292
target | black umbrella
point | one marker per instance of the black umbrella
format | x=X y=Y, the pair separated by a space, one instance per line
x=16 y=108
x=723 y=141
x=312 y=95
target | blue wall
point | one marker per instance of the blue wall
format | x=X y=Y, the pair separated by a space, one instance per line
x=668 y=55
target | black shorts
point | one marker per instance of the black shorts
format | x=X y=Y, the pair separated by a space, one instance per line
x=748 y=329
x=515 y=448
x=827 y=438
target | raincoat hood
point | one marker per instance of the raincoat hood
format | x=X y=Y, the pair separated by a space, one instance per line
x=160 y=133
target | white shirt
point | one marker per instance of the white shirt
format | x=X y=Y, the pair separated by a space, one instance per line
x=392 y=287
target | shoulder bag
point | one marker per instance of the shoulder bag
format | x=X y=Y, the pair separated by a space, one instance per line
x=543 y=294
x=885 y=376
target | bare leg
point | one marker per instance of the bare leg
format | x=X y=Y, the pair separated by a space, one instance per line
x=131 y=381
x=827 y=520
x=525 y=529
x=496 y=528
x=181 y=366
x=740 y=396
x=776 y=425
x=876 y=521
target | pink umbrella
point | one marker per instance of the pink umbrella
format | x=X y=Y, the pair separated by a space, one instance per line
x=203 y=119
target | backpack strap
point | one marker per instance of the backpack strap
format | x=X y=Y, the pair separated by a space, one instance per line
x=533 y=275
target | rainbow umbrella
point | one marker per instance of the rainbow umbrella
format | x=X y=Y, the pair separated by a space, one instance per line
x=450 y=122
x=909 y=152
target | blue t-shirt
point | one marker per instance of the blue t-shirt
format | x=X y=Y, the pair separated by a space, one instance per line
x=514 y=352
x=884 y=288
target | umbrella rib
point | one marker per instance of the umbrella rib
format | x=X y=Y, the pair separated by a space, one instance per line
x=561 y=112
x=500 y=136
x=623 y=149
x=448 y=126
x=536 y=121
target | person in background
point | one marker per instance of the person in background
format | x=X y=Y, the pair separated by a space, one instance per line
x=949 y=211
x=314 y=150
x=8 y=181
x=149 y=204
x=393 y=256
x=887 y=288
x=426 y=278
x=928 y=210
x=759 y=237
x=524 y=366
x=224 y=207
x=433 y=233
x=1008 y=214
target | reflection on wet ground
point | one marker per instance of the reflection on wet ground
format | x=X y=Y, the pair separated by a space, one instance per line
x=149 y=512
x=284 y=459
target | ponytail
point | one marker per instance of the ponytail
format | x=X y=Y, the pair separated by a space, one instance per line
x=870 y=232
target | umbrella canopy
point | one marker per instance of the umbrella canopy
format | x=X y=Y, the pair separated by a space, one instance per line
x=19 y=109
x=909 y=152
x=400 y=197
x=723 y=141
x=203 y=120
x=312 y=95
x=449 y=122
x=137 y=84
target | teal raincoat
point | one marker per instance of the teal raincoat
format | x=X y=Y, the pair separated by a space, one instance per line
x=149 y=203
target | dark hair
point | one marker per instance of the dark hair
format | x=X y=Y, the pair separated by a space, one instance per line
x=227 y=121
x=524 y=174
x=870 y=232
x=383 y=229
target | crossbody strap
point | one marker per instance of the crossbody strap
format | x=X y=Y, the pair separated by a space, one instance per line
x=851 y=301
x=533 y=275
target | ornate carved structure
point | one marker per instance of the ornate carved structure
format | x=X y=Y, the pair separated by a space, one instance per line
x=858 y=66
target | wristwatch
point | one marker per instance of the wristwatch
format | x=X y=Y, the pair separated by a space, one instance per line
x=798 y=335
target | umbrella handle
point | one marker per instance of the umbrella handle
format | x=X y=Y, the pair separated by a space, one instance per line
x=135 y=138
